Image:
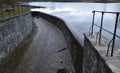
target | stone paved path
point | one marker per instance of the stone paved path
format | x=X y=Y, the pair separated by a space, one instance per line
x=42 y=55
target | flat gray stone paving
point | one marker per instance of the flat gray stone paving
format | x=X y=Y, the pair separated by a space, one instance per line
x=42 y=55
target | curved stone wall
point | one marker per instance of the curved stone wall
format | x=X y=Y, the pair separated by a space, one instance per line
x=91 y=58
x=75 y=49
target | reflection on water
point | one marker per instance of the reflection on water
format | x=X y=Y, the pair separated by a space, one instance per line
x=78 y=16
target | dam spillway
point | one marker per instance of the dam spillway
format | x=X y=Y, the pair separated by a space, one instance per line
x=43 y=54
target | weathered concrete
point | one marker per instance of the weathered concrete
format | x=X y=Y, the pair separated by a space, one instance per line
x=75 y=50
x=95 y=59
x=43 y=54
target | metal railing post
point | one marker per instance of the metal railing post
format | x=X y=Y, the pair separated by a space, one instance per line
x=115 y=29
x=93 y=22
x=112 y=42
x=101 y=28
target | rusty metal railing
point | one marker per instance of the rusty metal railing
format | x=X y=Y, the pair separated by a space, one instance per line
x=112 y=41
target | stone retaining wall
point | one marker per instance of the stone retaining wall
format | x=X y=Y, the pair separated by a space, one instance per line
x=12 y=31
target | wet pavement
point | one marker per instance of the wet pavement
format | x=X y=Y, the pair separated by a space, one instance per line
x=46 y=53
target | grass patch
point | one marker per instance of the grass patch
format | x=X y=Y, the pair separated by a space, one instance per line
x=14 y=11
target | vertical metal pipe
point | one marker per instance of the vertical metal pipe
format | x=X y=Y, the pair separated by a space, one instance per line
x=108 y=47
x=93 y=22
x=101 y=28
x=115 y=29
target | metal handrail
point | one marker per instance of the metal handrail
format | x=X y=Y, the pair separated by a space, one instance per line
x=107 y=12
x=107 y=31
x=97 y=35
x=109 y=47
x=101 y=28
